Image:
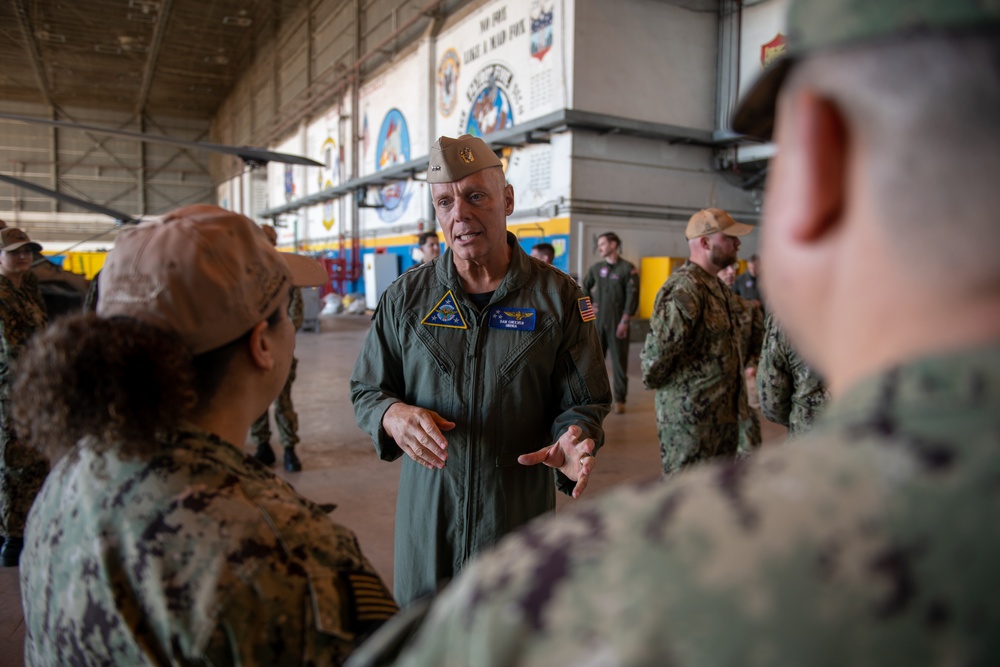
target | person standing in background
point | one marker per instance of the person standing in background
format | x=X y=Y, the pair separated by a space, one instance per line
x=285 y=417
x=430 y=247
x=613 y=286
x=22 y=315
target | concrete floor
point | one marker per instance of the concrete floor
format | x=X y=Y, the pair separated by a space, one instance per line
x=340 y=466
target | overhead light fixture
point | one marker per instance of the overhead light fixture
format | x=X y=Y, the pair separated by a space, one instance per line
x=217 y=60
x=238 y=21
x=136 y=48
x=46 y=36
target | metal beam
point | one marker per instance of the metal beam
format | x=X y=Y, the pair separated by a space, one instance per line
x=154 y=55
x=21 y=7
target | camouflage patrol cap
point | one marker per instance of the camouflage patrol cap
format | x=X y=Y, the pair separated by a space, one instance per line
x=204 y=272
x=711 y=220
x=453 y=159
x=12 y=238
x=818 y=25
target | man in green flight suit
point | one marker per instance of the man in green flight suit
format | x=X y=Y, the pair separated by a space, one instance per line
x=474 y=366
x=613 y=286
x=875 y=540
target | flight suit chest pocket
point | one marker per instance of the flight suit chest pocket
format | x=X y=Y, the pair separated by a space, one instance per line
x=525 y=350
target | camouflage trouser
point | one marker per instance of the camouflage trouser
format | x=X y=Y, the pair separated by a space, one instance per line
x=684 y=444
x=284 y=416
x=750 y=435
x=22 y=473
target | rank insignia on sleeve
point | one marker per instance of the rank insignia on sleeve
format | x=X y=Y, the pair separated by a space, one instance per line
x=445 y=314
x=515 y=319
x=587 y=313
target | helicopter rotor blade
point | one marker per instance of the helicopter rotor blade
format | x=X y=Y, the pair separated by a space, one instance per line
x=249 y=154
x=70 y=199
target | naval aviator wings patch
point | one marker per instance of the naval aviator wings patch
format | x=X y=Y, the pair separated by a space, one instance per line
x=445 y=314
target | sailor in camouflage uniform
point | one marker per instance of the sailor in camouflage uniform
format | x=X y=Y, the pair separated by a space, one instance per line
x=155 y=540
x=285 y=416
x=695 y=351
x=791 y=392
x=750 y=320
x=22 y=314
x=874 y=540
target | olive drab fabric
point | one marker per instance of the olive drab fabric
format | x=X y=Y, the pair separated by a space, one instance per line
x=22 y=470
x=791 y=393
x=873 y=543
x=614 y=289
x=512 y=376
x=196 y=555
x=693 y=358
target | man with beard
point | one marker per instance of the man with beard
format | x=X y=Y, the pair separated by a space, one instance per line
x=693 y=356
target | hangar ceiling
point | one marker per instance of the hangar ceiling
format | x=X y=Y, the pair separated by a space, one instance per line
x=174 y=57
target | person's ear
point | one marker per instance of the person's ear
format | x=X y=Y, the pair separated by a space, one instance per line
x=817 y=137
x=261 y=347
x=508 y=198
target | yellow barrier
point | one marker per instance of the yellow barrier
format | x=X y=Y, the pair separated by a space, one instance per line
x=84 y=263
x=653 y=272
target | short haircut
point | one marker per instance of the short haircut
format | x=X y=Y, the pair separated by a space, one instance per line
x=422 y=239
x=923 y=113
x=611 y=236
x=546 y=248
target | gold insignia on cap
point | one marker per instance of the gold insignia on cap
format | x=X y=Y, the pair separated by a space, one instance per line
x=467 y=155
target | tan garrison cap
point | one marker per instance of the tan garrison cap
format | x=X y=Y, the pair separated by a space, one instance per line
x=818 y=25
x=453 y=159
x=711 y=220
x=207 y=273
x=12 y=238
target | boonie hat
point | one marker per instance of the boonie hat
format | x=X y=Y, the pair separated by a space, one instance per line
x=711 y=220
x=453 y=159
x=817 y=25
x=12 y=238
x=204 y=272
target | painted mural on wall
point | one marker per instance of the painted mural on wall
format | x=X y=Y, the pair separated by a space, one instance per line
x=542 y=36
x=330 y=175
x=393 y=147
x=447 y=82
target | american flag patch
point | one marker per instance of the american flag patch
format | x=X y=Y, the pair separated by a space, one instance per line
x=587 y=313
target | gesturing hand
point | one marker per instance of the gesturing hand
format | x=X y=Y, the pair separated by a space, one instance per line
x=418 y=433
x=572 y=457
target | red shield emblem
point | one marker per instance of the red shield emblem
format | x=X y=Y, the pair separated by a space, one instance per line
x=773 y=49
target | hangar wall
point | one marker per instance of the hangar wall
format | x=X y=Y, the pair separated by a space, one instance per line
x=642 y=74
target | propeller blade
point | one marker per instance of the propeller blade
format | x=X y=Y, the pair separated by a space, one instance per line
x=70 y=199
x=247 y=153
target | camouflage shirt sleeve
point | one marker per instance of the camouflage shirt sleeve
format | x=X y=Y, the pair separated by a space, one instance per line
x=675 y=313
x=775 y=381
x=296 y=310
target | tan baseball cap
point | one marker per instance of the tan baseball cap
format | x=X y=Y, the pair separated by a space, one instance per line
x=453 y=159
x=204 y=272
x=711 y=220
x=821 y=25
x=12 y=238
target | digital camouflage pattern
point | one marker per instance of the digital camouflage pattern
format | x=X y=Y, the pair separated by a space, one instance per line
x=614 y=291
x=750 y=320
x=791 y=393
x=693 y=357
x=285 y=417
x=877 y=544
x=509 y=392
x=22 y=470
x=194 y=555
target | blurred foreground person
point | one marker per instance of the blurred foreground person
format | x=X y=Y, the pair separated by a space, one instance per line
x=155 y=540
x=874 y=539
x=22 y=315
